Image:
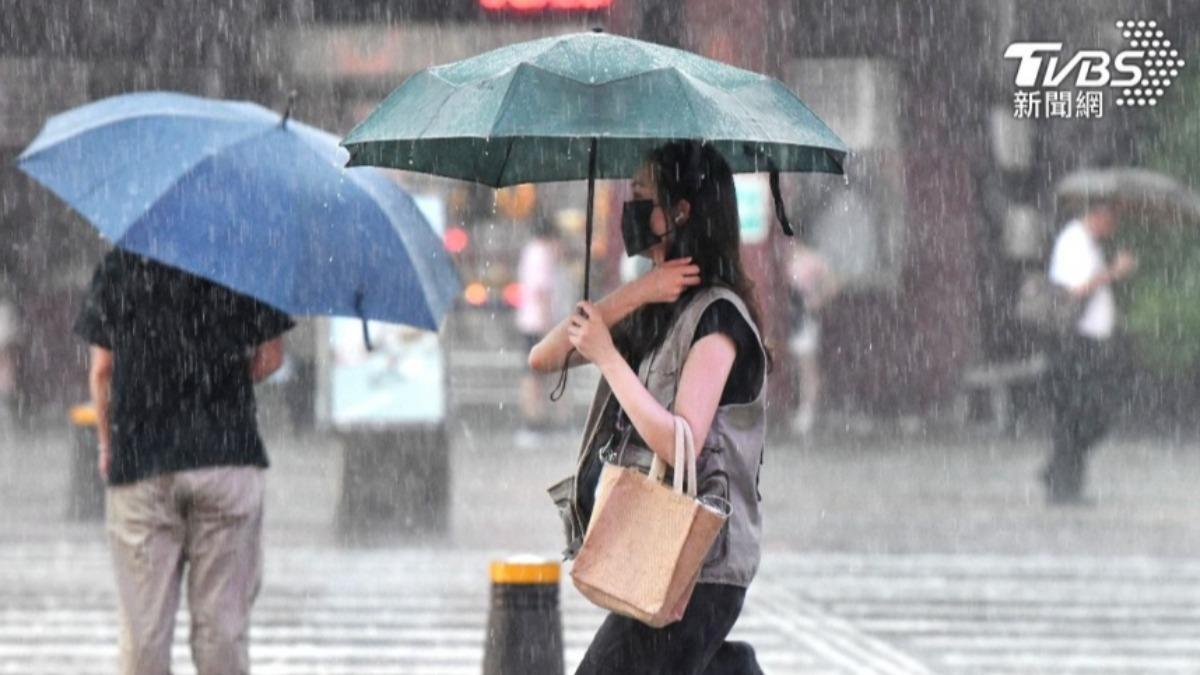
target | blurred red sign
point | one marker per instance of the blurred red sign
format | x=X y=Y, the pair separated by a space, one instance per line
x=540 y=5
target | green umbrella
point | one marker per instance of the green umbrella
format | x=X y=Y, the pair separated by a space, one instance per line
x=588 y=105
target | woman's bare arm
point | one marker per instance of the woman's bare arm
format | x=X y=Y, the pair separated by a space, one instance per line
x=547 y=356
x=701 y=382
x=665 y=283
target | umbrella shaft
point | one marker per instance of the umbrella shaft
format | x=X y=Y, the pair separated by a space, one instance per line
x=591 y=199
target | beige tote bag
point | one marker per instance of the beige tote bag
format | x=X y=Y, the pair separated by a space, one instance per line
x=646 y=542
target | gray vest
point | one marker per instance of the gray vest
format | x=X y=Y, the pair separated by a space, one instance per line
x=728 y=465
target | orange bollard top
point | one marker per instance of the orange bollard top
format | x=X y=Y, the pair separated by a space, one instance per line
x=83 y=415
x=525 y=570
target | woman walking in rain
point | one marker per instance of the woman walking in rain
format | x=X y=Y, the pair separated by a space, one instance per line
x=682 y=340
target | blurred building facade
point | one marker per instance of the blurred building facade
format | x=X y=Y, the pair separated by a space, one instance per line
x=946 y=204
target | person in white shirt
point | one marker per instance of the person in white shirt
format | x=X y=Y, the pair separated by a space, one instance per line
x=1084 y=365
x=10 y=335
x=813 y=286
x=538 y=276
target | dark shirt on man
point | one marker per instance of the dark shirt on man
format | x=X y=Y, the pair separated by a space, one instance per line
x=181 y=394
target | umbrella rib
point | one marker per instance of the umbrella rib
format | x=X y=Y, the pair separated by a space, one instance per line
x=82 y=129
x=436 y=71
x=500 y=111
x=687 y=99
x=434 y=117
x=615 y=80
x=747 y=114
x=508 y=95
x=104 y=181
x=504 y=162
x=836 y=161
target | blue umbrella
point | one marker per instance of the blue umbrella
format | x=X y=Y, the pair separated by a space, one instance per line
x=232 y=192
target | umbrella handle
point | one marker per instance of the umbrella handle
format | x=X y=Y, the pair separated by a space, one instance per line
x=359 y=296
x=561 y=387
x=287 y=112
x=367 y=337
x=780 y=210
x=776 y=193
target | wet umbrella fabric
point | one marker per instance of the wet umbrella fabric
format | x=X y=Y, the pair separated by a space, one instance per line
x=588 y=105
x=231 y=192
x=527 y=112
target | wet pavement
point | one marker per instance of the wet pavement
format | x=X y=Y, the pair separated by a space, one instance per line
x=889 y=550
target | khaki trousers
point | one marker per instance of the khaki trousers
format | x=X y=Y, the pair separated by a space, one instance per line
x=208 y=521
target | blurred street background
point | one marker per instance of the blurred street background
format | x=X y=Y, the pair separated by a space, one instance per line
x=949 y=201
x=907 y=531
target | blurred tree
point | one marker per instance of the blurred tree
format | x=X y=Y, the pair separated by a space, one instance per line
x=1164 y=299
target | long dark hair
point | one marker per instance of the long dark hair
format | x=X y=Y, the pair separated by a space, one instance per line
x=696 y=172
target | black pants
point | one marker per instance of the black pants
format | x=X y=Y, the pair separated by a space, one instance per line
x=695 y=645
x=1084 y=381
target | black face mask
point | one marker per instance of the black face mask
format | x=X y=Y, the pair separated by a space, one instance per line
x=635 y=226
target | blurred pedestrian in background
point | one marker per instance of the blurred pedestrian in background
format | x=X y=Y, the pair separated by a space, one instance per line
x=1084 y=377
x=813 y=285
x=538 y=278
x=173 y=363
x=683 y=341
x=10 y=342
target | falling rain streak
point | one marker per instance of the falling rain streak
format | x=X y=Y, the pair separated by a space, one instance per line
x=980 y=358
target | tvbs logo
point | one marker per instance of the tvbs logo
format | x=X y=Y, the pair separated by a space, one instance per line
x=1092 y=67
x=1142 y=72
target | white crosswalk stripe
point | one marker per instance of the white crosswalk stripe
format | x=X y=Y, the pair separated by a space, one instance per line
x=319 y=612
x=424 y=611
x=1000 y=614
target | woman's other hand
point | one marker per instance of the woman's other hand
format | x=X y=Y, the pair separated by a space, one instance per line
x=668 y=281
x=588 y=333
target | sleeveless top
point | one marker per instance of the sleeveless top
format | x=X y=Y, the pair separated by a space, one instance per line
x=728 y=465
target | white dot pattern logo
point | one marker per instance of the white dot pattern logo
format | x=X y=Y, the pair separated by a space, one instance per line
x=1158 y=61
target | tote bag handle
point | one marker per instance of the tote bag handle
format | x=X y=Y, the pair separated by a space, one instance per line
x=685 y=457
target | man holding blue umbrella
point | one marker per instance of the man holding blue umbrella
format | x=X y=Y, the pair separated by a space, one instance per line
x=205 y=201
x=173 y=362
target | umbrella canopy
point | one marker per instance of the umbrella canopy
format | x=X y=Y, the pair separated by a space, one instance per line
x=231 y=192
x=528 y=112
x=589 y=105
x=1140 y=192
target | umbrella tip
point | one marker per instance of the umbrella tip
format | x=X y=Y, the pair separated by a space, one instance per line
x=287 y=112
x=597 y=29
